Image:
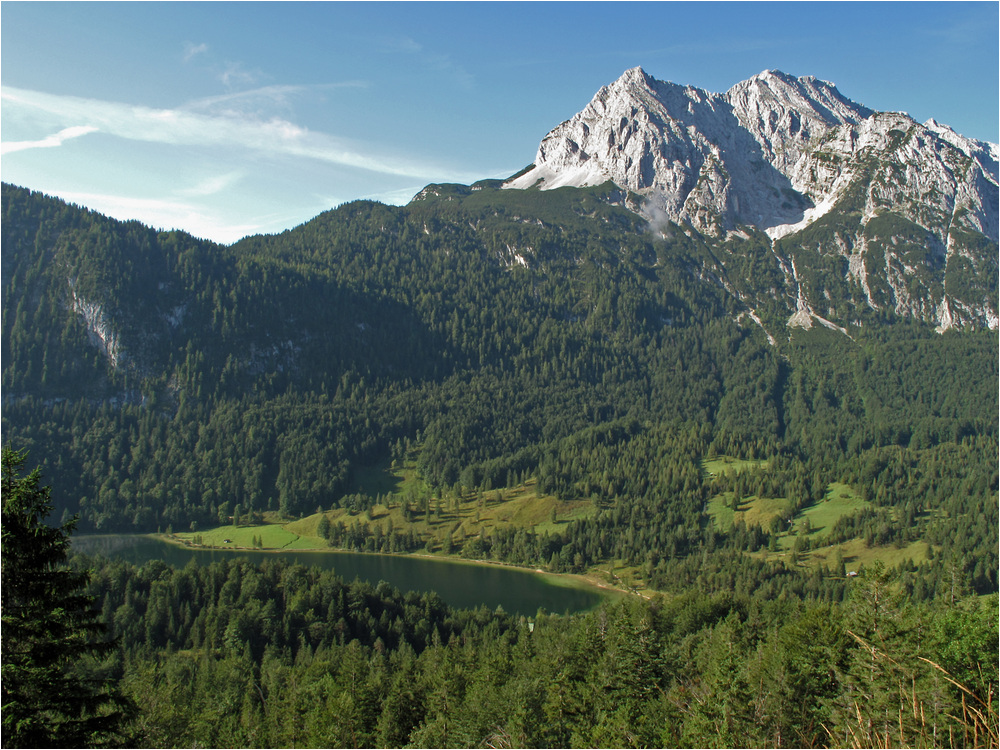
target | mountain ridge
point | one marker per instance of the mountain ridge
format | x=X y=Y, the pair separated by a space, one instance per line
x=784 y=154
x=783 y=114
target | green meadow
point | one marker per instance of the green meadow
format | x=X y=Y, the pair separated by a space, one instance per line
x=839 y=500
x=462 y=516
x=713 y=467
x=469 y=514
x=813 y=523
x=270 y=536
x=753 y=511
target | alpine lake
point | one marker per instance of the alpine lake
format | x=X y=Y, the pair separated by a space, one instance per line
x=460 y=584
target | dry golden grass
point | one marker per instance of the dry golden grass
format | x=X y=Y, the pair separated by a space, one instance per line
x=976 y=725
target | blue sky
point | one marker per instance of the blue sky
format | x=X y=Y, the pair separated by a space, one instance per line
x=228 y=119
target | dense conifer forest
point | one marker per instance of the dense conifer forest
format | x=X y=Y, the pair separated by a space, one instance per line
x=499 y=340
x=277 y=655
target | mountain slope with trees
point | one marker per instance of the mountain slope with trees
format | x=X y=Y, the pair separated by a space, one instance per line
x=507 y=335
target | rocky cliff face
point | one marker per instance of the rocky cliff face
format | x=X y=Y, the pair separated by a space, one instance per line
x=781 y=153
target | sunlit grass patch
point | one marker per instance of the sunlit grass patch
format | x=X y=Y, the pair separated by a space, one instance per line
x=396 y=483
x=461 y=517
x=721 y=512
x=307 y=542
x=817 y=520
x=856 y=554
x=309 y=526
x=713 y=467
x=272 y=536
x=839 y=500
x=753 y=511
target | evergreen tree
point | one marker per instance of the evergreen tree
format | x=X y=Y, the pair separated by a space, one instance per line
x=323 y=529
x=50 y=630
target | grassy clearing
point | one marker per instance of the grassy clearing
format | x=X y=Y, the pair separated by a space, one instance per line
x=713 y=467
x=840 y=500
x=272 y=536
x=753 y=511
x=819 y=519
x=856 y=554
x=464 y=516
x=815 y=522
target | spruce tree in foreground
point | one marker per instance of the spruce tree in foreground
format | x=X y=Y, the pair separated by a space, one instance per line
x=50 y=629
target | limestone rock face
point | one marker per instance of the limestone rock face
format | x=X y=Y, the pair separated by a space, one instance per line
x=780 y=153
x=784 y=113
x=774 y=152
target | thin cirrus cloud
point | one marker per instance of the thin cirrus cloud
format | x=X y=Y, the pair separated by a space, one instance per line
x=168 y=213
x=192 y=50
x=262 y=99
x=212 y=185
x=440 y=63
x=236 y=74
x=184 y=127
x=51 y=141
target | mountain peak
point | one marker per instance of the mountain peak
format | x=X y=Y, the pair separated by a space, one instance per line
x=634 y=75
x=634 y=82
x=773 y=73
x=814 y=97
x=686 y=149
x=743 y=157
x=778 y=153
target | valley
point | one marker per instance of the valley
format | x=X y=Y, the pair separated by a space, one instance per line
x=453 y=528
x=734 y=353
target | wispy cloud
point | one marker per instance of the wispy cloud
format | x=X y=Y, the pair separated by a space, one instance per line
x=272 y=94
x=192 y=50
x=212 y=185
x=166 y=213
x=234 y=75
x=51 y=141
x=398 y=44
x=459 y=74
x=274 y=136
x=262 y=99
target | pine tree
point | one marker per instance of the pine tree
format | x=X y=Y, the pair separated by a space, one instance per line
x=876 y=679
x=50 y=629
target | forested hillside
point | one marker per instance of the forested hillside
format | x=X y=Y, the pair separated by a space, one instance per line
x=810 y=514
x=238 y=655
x=500 y=337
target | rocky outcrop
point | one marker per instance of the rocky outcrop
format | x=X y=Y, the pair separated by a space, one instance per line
x=100 y=332
x=771 y=149
x=779 y=153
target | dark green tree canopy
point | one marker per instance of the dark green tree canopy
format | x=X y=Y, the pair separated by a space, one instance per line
x=50 y=629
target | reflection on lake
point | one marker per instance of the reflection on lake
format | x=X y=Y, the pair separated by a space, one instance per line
x=458 y=584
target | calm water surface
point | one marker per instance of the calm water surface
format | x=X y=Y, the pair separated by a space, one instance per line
x=460 y=585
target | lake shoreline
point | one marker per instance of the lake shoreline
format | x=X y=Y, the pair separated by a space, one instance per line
x=583 y=581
